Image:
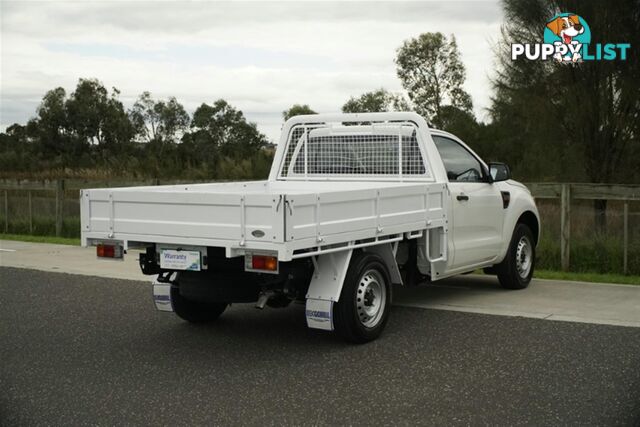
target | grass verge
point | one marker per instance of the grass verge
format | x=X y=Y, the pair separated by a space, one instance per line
x=587 y=277
x=41 y=239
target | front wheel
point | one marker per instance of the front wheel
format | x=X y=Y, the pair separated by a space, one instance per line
x=363 y=309
x=195 y=311
x=516 y=270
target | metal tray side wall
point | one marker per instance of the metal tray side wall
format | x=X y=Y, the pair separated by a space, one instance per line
x=322 y=216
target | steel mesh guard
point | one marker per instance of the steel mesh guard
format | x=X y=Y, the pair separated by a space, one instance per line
x=322 y=151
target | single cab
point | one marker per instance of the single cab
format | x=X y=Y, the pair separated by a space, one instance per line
x=354 y=204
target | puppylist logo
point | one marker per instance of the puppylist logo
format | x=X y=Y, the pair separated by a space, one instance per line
x=567 y=39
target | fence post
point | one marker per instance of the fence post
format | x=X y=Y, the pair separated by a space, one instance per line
x=30 y=213
x=565 y=227
x=59 y=206
x=625 y=247
x=6 y=212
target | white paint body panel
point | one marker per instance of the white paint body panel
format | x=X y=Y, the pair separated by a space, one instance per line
x=521 y=202
x=476 y=223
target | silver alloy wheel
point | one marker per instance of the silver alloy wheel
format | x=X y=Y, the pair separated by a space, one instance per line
x=524 y=257
x=371 y=298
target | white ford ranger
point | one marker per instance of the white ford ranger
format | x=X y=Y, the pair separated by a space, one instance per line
x=354 y=204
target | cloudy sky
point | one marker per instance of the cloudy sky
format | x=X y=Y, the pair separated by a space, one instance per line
x=262 y=57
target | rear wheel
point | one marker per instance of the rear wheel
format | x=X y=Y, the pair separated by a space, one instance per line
x=363 y=309
x=516 y=270
x=195 y=311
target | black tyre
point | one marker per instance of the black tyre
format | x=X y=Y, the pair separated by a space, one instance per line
x=363 y=309
x=195 y=311
x=516 y=270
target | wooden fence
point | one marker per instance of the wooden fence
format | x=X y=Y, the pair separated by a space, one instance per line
x=58 y=188
x=566 y=192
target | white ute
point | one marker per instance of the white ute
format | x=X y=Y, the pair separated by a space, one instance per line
x=354 y=204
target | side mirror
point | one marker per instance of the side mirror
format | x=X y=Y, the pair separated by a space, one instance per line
x=499 y=171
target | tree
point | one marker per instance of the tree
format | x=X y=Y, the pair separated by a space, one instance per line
x=97 y=118
x=91 y=131
x=227 y=128
x=461 y=123
x=220 y=134
x=296 y=110
x=16 y=153
x=161 y=124
x=144 y=117
x=51 y=125
x=117 y=130
x=158 y=120
x=431 y=71
x=86 y=108
x=588 y=112
x=377 y=101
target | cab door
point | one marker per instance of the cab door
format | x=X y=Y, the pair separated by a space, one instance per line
x=476 y=206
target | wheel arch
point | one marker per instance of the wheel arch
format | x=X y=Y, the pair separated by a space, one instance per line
x=530 y=219
x=330 y=271
x=527 y=215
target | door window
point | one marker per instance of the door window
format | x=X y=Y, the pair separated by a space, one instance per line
x=460 y=164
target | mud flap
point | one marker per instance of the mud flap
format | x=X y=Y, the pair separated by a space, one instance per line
x=319 y=314
x=326 y=284
x=162 y=296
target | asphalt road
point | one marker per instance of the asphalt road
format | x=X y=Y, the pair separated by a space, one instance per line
x=87 y=350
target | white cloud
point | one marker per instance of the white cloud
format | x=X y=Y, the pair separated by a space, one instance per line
x=261 y=57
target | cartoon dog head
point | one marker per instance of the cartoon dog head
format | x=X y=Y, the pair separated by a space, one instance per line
x=566 y=27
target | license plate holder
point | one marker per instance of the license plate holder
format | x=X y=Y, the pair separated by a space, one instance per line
x=173 y=259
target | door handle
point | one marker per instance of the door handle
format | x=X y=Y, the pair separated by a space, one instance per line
x=462 y=197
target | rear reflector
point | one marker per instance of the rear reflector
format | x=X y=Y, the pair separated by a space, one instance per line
x=109 y=251
x=262 y=263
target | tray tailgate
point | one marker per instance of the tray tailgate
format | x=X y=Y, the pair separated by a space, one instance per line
x=234 y=217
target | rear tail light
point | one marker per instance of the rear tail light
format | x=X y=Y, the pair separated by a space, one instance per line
x=261 y=263
x=106 y=250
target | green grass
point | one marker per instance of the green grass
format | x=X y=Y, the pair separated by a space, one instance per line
x=41 y=239
x=588 y=277
x=44 y=226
